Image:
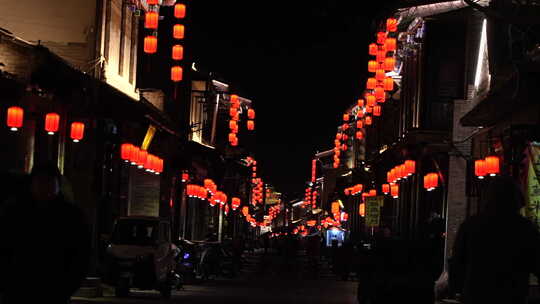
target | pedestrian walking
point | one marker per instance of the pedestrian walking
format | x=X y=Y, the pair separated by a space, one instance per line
x=496 y=251
x=45 y=248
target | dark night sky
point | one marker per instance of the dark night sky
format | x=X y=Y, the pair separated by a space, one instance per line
x=301 y=62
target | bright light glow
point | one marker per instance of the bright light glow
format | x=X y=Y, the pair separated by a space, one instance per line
x=481 y=51
x=75 y=140
x=14 y=129
x=50 y=133
x=298 y=204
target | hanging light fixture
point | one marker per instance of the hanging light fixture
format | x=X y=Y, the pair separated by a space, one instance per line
x=15 y=118
x=360 y=103
x=359 y=135
x=185 y=177
x=151 y=20
x=77 y=131
x=388 y=84
x=373 y=66
x=391 y=24
x=390 y=44
x=389 y=63
x=362 y=209
x=345 y=117
x=250 y=125
x=142 y=157
x=480 y=168
x=125 y=151
x=371 y=83
x=52 y=121
x=373 y=48
x=150 y=44
x=492 y=165
x=251 y=114
x=410 y=167
x=369 y=120
x=178 y=31
x=377 y=111
x=431 y=181
x=394 y=190
x=178 y=52
x=176 y=73
x=380 y=75
x=381 y=38
x=381 y=56
x=379 y=93
x=386 y=188
x=179 y=10
x=359 y=124
x=371 y=100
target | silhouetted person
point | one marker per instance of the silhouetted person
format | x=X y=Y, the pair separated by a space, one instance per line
x=495 y=252
x=45 y=247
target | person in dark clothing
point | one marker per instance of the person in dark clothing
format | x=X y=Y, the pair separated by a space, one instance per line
x=45 y=247
x=496 y=251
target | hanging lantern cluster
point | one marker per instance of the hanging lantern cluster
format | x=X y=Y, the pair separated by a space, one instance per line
x=328 y=221
x=431 y=181
x=487 y=166
x=151 y=21
x=311 y=223
x=313 y=170
x=251 y=119
x=177 y=48
x=257 y=192
x=362 y=209
x=235 y=203
x=136 y=156
x=315 y=195
x=196 y=191
x=354 y=190
x=307 y=197
x=234 y=113
x=401 y=172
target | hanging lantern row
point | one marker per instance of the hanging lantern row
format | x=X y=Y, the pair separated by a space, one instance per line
x=196 y=191
x=141 y=158
x=487 y=166
x=314 y=199
x=313 y=170
x=354 y=190
x=15 y=119
x=177 y=49
x=151 y=22
x=401 y=172
x=431 y=181
x=330 y=222
x=210 y=185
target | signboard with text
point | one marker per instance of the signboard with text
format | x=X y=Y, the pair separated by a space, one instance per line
x=373 y=210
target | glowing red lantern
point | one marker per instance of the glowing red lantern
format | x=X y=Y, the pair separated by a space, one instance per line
x=344 y=147
x=381 y=56
x=233 y=124
x=391 y=24
x=152 y=2
x=492 y=165
x=251 y=114
x=125 y=151
x=178 y=52
x=369 y=109
x=250 y=125
x=386 y=188
x=77 y=131
x=141 y=158
x=380 y=75
x=389 y=63
x=178 y=31
x=372 y=192
x=371 y=83
x=362 y=210
x=373 y=66
x=345 y=127
x=179 y=10
x=185 y=177
x=233 y=112
x=410 y=167
x=431 y=181
x=150 y=44
x=381 y=37
x=347 y=191
x=360 y=114
x=369 y=120
x=359 y=135
x=134 y=155
x=52 y=121
x=345 y=117
x=371 y=100
x=359 y=124
x=373 y=48
x=151 y=20
x=388 y=84
x=335 y=207
x=377 y=111
x=394 y=190
x=379 y=93
x=176 y=73
x=15 y=118
x=480 y=168
x=390 y=44
x=339 y=136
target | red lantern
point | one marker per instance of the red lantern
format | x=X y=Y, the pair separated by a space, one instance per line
x=179 y=10
x=381 y=37
x=360 y=103
x=51 y=123
x=379 y=93
x=15 y=118
x=371 y=100
x=150 y=44
x=345 y=117
x=369 y=109
x=359 y=135
x=251 y=114
x=381 y=56
x=492 y=165
x=360 y=114
x=141 y=159
x=134 y=155
x=394 y=190
x=339 y=136
x=389 y=63
x=369 y=120
x=344 y=147
x=178 y=31
x=359 y=124
x=431 y=181
x=178 y=52
x=380 y=75
x=185 y=177
x=390 y=44
x=151 y=20
x=480 y=168
x=372 y=192
x=77 y=131
x=232 y=137
x=362 y=210
x=386 y=188
x=233 y=124
x=377 y=111
x=388 y=84
x=391 y=24
x=373 y=48
x=371 y=83
x=410 y=167
x=373 y=66
x=250 y=125
x=152 y=2
x=345 y=127
x=233 y=112
x=125 y=151
x=176 y=73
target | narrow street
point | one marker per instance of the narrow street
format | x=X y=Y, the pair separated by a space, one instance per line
x=278 y=283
